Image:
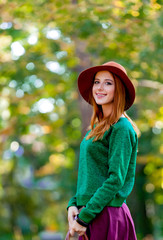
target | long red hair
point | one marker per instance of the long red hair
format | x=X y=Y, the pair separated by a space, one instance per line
x=99 y=124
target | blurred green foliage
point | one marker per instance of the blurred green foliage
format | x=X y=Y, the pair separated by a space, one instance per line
x=44 y=45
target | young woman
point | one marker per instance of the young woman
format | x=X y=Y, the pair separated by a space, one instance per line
x=107 y=157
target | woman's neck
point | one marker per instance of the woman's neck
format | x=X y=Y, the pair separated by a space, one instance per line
x=107 y=110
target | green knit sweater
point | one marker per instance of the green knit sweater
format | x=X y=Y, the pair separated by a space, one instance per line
x=106 y=170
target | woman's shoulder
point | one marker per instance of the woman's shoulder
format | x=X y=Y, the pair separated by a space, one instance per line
x=123 y=129
x=123 y=125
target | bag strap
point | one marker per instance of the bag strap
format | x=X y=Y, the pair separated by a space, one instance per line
x=84 y=237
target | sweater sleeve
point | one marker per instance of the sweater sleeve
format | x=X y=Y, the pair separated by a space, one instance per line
x=119 y=155
x=72 y=202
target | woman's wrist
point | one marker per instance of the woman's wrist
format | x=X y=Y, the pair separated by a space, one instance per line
x=71 y=207
x=81 y=222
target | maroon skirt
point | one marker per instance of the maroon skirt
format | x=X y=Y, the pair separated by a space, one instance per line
x=113 y=223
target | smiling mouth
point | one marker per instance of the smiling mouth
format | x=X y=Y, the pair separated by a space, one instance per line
x=100 y=95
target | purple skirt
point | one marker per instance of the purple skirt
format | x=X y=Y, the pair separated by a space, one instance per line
x=113 y=223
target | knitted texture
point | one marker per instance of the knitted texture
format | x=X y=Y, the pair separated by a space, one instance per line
x=106 y=170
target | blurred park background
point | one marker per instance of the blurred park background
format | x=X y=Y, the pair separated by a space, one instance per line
x=44 y=44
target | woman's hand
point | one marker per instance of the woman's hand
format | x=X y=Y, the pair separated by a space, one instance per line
x=72 y=212
x=76 y=227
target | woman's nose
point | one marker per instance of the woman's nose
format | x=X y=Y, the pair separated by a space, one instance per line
x=100 y=86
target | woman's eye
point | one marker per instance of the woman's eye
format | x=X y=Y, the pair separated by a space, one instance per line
x=106 y=83
x=96 y=82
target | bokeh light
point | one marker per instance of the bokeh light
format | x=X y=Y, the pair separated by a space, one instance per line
x=17 y=50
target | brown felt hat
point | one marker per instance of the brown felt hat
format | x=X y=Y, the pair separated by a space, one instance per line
x=86 y=77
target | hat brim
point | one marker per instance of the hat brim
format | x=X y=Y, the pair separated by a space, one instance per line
x=86 y=77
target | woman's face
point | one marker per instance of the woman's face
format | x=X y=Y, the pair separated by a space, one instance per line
x=103 y=88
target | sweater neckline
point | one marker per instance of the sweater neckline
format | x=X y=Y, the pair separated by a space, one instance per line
x=121 y=117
